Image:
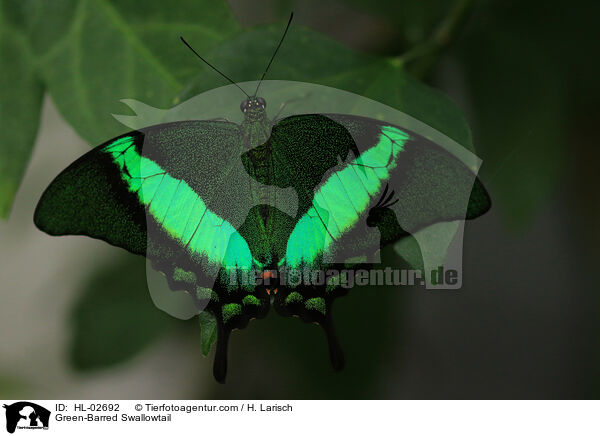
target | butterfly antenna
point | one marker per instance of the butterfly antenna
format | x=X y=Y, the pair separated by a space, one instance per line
x=276 y=50
x=214 y=68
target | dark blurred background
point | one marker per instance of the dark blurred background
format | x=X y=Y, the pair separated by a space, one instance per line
x=76 y=318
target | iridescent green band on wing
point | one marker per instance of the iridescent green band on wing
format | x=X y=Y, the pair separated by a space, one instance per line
x=179 y=209
x=339 y=201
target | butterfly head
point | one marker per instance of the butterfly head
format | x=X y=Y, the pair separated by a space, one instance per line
x=254 y=108
x=382 y=212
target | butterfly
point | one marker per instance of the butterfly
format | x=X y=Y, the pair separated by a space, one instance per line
x=249 y=210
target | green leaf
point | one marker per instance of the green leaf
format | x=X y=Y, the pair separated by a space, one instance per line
x=115 y=319
x=21 y=95
x=109 y=50
x=309 y=56
x=43 y=22
x=208 y=324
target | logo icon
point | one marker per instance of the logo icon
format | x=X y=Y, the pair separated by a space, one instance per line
x=26 y=415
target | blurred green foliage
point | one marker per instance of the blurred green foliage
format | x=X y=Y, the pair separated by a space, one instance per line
x=519 y=65
x=21 y=93
x=12 y=387
x=114 y=318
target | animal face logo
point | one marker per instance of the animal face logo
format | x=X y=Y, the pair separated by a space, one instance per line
x=26 y=415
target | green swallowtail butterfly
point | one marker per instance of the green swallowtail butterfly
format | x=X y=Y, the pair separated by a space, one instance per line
x=202 y=200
